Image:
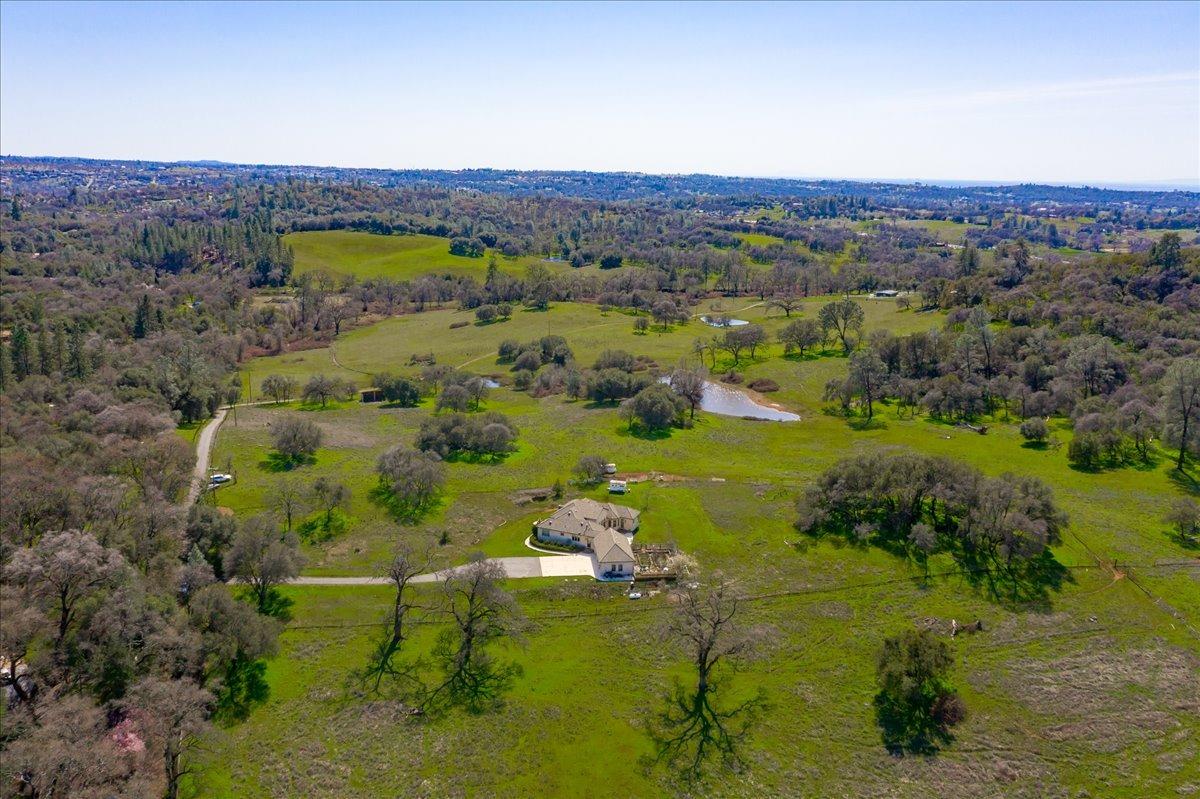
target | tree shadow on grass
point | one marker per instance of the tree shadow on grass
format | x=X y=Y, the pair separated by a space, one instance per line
x=905 y=733
x=644 y=434
x=476 y=457
x=404 y=512
x=1025 y=583
x=1190 y=544
x=1185 y=481
x=1036 y=446
x=276 y=605
x=242 y=688
x=690 y=731
x=859 y=423
x=1022 y=583
x=278 y=462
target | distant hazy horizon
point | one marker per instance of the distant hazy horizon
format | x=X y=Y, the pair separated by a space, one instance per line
x=1070 y=94
x=1166 y=185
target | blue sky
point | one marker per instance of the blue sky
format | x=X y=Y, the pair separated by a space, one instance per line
x=1075 y=92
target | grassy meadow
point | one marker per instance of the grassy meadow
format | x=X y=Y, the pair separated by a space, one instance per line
x=368 y=255
x=1091 y=691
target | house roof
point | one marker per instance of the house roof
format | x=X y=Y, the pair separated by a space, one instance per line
x=612 y=547
x=585 y=517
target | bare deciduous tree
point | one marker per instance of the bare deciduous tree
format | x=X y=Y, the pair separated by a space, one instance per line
x=262 y=559
x=171 y=715
x=295 y=439
x=412 y=479
x=481 y=613
x=384 y=659
x=689 y=384
x=288 y=501
x=692 y=727
x=70 y=752
x=62 y=569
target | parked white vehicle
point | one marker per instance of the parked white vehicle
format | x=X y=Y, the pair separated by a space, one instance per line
x=635 y=595
x=610 y=468
x=218 y=478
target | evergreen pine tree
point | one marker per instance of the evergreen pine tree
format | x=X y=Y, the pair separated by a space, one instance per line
x=22 y=358
x=141 y=320
x=76 y=358
x=60 y=349
x=45 y=365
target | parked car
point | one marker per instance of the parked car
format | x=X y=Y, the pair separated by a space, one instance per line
x=219 y=478
x=610 y=468
x=635 y=594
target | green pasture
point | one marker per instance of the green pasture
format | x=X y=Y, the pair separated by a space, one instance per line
x=369 y=255
x=1090 y=691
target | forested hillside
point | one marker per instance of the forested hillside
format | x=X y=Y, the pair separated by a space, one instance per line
x=137 y=300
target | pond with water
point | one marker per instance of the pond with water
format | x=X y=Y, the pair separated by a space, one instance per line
x=728 y=401
x=722 y=321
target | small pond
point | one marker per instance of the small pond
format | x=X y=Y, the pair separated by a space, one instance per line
x=722 y=321
x=728 y=401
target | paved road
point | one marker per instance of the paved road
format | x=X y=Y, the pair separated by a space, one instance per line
x=514 y=568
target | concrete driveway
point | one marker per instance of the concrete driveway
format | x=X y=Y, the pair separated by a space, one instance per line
x=514 y=568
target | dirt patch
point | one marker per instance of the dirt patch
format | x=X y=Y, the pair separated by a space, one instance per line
x=527 y=495
x=648 y=477
x=834 y=610
x=1107 y=698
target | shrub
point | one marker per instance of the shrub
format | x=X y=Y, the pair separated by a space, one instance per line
x=509 y=349
x=522 y=379
x=454 y=397
x=529 y=360
x=615 y=359
x=1085 y=451
x=1035 y=430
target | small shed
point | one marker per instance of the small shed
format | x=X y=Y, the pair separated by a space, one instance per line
x=371 y=395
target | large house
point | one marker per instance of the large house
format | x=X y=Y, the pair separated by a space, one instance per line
x=604 y=528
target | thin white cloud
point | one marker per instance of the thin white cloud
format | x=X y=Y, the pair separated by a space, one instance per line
x=1055 y=91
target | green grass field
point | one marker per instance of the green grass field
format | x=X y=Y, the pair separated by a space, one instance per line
x=1092 y=692
x=367 y=255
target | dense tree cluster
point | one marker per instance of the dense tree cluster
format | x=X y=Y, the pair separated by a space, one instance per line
x=487 y=435
x=920 y=505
